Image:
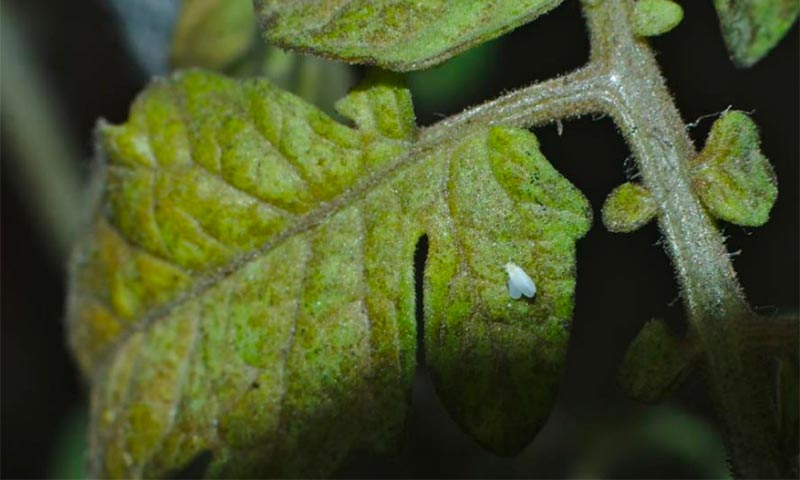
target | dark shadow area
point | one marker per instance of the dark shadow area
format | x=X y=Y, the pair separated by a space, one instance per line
x=420 y=257
x=196 y=468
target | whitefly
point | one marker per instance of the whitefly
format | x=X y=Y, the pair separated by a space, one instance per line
x=519 y=283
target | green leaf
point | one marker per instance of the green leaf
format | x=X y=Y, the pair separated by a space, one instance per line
x=496 y=361
x=655 y=363
x=731 y=176
x=247 y=287
x=397 y=35
x=751 y=28
x=212 y=33
x=628 y=208
x=654 y=17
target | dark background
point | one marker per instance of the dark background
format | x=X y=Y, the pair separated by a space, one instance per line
x=624 y=280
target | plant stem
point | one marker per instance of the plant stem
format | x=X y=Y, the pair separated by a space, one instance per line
x=45 y=159
x=643 y=109
x=623 y=80
x=577 y=93
x=715 y=304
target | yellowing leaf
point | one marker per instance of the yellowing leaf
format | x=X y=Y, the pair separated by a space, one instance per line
x=496 y=361
x=247 y=287
x=399 y=35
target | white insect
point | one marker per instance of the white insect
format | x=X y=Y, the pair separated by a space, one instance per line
x=519 y=283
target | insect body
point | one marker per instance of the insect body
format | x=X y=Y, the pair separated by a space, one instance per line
x=519 y=283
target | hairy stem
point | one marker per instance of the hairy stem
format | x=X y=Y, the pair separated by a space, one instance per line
x=577 y=93
x=643 y=109
x=623 y=80
x=713 y=298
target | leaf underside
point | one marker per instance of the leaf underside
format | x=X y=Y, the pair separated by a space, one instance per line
x=751 y=28
x=656 y=363
x=732 y=177
x=398 y=35
x=247 y=285
x=628 y=208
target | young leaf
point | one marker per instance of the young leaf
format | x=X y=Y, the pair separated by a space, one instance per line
x=628 y=208
x=731 y=176
x=751 y=28
x=247 y=288
x=654 y=17
x=397 y=35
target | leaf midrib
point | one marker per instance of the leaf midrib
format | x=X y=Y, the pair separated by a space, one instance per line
x=422 y=149
x=552 y=97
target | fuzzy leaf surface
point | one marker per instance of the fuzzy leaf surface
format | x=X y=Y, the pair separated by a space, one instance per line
x=628 y=208
x=247 y=286
x=751 y=28
x=654 y=17
x=399 y=35
x=732 y=176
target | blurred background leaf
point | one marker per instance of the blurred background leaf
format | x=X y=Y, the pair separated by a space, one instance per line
x=212 y=33
x=445 y=86
x=685 y=444
x=69 y=455
x=221 y=35
x=147 y=25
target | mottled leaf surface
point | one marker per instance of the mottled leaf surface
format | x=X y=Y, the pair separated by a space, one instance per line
x=398 y=35
x=628 y=208
x=732 y=176
x=654 y=17
x=247 y=286
x=751 y=28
